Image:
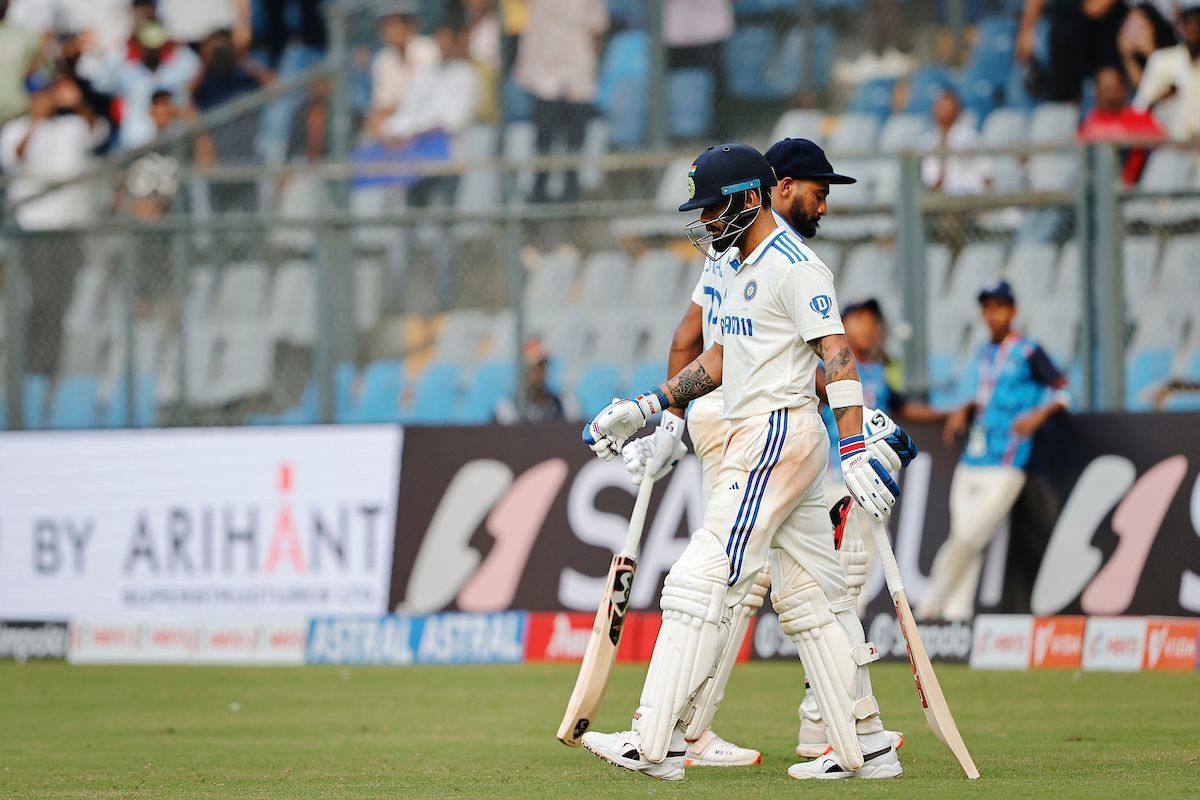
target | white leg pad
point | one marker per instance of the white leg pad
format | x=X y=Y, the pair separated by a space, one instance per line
x=835 y=667
x=713 y=691
x=685 y=653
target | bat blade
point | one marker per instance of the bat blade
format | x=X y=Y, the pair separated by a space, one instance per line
x=933 y=701
x=601 y=651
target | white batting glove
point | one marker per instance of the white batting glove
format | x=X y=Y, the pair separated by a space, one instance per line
x=657 y=453
x=616 y=422
x=868 y=481
x=887 y=441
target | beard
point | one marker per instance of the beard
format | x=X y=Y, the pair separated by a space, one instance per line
x=806 y=225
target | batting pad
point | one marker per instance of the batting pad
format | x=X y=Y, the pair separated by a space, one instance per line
x=685 y=653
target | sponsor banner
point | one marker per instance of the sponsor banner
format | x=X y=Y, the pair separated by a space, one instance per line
x=33 y=641
x=274 y=642
x=1002 y=641
x=181 y=523
x=435 y=639
x=1057 y=643
x=563 y=636
x=1114 y=644
x=1171 y=644
x=526 y=517
x=944 y=641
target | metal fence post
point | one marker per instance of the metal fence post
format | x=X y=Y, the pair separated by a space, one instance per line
x=1084 y=225
x=910 y=247
x=1107 y=280
x=128 y=299
x=514 y=274
x=14 y=331
x=180 y=280
x=658 y=76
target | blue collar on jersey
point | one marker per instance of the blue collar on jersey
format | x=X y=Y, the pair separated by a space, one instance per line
x=784 y=221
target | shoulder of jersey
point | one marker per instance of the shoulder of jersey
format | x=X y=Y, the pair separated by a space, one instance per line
x=791 y=249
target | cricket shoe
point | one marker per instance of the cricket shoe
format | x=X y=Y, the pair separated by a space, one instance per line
x=814 y=741
x=625 y=750
x=882 y=763
x=711 y=750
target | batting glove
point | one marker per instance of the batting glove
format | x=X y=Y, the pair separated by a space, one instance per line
x=852 y=551
x=657 y=453
x=616 y=422
x=868 y=481
x=887 y=441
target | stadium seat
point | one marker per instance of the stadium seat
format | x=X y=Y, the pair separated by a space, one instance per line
x=617 y=339
x=502 y=336
x=902 y=132
x=1005 y=127
x=855 y=133
x=800 y=123
x=977 y=94
x=299 y=201
x=379 y=394
x=628 y=13
x=550 y=281
x=518 y=102
x=746 y=7
x=1180 y=276
x=873 y=97
x=1182 y=401
x=240 y=292
x=240 y=364
x=461 y=334
x=802 y=61
x=292 y=306
x=479 y=190
x=662 y=276
x=116 y=414
x=924 y=87
x=435 y=396
x=1140 y=264
x=492 y=380
x=35 y=389
x=624 y=91
x=1054 y=123
x=645 y=375
x=605 y=279
x=1016 y=95
x=747 y=59
x=1145 y=370
x=978 y=263
x=306 y=411
x=1168 y=169
x=690 y=102
x=992 y=57
x=74 y=403
x=598 y=385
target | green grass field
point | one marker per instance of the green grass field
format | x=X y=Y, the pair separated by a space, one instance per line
x=163 y=732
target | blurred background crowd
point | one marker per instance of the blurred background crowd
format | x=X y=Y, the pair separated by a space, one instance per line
x=230 y=134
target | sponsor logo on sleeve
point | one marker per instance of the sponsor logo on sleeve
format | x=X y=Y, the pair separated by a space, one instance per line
x=822 y=305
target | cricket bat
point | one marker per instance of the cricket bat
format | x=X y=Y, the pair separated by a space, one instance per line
x=606 y=629
x=937 y=711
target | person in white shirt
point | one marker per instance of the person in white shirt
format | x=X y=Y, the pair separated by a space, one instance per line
x=1176 y=69
x=957 y=175
x=405 y=53
x=778 y=319
x=53 y=143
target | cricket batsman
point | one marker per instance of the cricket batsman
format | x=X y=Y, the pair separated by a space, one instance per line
x=804 y=176
x=778 y=317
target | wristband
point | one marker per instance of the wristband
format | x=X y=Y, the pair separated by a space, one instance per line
x=652 y=402
x=851 y=446
x=842 y=394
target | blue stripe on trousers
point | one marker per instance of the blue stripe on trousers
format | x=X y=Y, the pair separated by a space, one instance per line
x=753 y=497
x=758 y=503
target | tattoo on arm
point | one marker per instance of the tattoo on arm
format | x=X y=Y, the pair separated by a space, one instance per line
x=692 y=381
x=839 y=365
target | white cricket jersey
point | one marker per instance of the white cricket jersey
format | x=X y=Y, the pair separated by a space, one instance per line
x=774 y=302
x=709 y=292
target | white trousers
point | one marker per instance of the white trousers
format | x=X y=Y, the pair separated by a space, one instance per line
x=980 y=499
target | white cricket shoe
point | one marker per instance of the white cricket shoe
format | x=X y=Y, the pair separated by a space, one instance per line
x=711 y=750
x=624 y=749
x=814 y=741
x=879 y=764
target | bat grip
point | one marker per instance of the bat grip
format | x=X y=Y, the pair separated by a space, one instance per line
x=887 y=558
x=637 y=520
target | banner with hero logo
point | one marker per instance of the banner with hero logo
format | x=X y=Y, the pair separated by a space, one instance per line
x=294 y=521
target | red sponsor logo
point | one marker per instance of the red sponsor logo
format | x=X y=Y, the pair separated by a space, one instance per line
x=1057 y=642
x=1171 y=644
x=564 y=636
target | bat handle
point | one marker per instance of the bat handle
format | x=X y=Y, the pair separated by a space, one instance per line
x=637 y=520
x=887 y=558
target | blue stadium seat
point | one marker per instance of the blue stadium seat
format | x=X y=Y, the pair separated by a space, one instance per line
x=555 y=375
x=924 y=87
x=764 y=64
x=597 y=387
x=1183 y=401
x=874 y=97
x=690 y=102
x=518 y=103
x=747 y=55
x=624 y=90
x=1015 y=93
x=741 y=7
x=343 y=384
x=34 y=399
x=306 y=411
x=144 y=412
x=435 y=396
x=645 y=375
x=630 y=13
x=978 y=95
x=3 y=416
x=493 y=380
x=74 y=403
x=379 y=400
x=1145 y=369
x=992 y=57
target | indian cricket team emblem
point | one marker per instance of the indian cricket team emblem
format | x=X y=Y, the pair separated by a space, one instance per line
x=750 y=290
x=692 y=183
x=821 y=304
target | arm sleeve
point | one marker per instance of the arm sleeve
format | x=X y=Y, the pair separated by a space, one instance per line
x=1043 y=370
x=1156 y=80
x=813 y=304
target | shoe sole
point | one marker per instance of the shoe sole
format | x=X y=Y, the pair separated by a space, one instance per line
x=886 y=771
x=619 y=765
x=688 y=762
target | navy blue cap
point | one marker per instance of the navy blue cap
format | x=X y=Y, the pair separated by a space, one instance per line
x=999 y=289
x=723 y=170
x=802 y=159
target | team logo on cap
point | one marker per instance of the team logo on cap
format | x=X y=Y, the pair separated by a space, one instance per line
x=692 y=183
x=750 y=290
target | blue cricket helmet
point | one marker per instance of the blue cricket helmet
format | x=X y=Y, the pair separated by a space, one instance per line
x=724 y=170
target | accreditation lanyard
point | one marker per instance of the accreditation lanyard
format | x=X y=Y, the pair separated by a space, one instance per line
x=990 y=371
